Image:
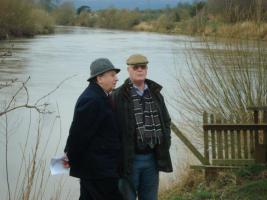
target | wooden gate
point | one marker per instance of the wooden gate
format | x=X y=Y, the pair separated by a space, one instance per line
x=231 y=143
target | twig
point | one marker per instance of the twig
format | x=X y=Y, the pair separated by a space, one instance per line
x=60 y=128
x=58 y=86
x=23 y=155
x=6 y=151
x=18 y=91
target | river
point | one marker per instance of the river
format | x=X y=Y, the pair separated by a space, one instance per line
x=50 y=59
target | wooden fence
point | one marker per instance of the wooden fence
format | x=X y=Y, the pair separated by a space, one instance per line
x=231 y=143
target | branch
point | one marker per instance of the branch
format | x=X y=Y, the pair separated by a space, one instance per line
x=41 y=108
x=58 y=86
x=37 y=108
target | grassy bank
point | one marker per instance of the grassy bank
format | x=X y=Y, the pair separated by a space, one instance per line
x=22 y=18
x=242 y=30
x=249 y=183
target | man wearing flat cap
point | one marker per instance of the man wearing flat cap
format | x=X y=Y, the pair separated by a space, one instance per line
x=93 y=144
x=144 y=124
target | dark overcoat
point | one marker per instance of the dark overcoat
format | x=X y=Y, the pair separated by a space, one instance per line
x=93 y=143
x=126 y=120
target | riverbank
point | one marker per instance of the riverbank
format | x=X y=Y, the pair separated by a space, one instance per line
x=241 y=30
x=202 y=18
x=248 y=183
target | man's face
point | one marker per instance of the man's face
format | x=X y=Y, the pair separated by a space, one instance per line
x=108 y=80
x=137 y=73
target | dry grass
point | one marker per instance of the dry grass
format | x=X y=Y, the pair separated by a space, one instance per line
x=144 y=26
x=244 y=183
x=224 y=78
x=190 y=180
x=243 y=30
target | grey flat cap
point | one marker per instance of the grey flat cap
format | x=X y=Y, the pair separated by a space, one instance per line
x=100 y=66
x=137 y=59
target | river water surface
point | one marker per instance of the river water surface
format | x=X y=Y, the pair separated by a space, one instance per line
x=67 y=54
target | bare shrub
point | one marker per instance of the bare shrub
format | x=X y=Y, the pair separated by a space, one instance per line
x=29 y=179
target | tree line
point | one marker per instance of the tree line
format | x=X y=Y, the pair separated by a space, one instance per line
x=223 y=17
x=30 y=17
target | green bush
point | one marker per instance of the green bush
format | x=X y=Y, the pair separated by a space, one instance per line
x=15 y=17
x=117 y=19
x=64 y=14
x=85 y=19
x=22 y=18
x=164 y=23
x=44 y=23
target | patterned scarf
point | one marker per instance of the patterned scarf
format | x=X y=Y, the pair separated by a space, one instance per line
x=148 y=125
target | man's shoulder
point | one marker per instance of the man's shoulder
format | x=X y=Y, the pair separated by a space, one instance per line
x=87 y=98
x=153 y=86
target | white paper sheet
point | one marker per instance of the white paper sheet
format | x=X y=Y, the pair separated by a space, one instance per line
x=57 y=166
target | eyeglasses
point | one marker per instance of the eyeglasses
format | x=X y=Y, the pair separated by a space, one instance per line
x=136 y=67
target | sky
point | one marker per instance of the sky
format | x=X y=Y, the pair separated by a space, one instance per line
x=130 y=4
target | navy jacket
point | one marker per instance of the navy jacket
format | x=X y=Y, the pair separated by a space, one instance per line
x=93 y=143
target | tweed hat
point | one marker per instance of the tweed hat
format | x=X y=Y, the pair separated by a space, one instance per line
x=100 y=66
x=137 y=59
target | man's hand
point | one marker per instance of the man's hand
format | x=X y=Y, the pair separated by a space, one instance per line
x=66 y=161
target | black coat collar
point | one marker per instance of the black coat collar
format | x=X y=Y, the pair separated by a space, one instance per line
x=97 y=89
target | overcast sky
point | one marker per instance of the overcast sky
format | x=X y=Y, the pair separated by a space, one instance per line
x=131 y=4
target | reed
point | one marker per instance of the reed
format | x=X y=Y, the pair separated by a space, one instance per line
x=224 y=77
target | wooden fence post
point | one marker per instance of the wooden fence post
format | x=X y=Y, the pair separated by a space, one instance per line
x=219 y=139
x=233 y=139
x=226 y=141
x=213 y=139
x=238 y=135
x=258 y=148
x=265 y=137
x=206 y=137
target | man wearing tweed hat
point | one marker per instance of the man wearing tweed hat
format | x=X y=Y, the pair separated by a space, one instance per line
x=93 y=144
x=144 y=124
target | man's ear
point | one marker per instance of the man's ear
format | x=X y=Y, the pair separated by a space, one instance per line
x=98 y=79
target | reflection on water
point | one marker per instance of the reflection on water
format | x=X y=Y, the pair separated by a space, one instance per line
x=52 y=58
